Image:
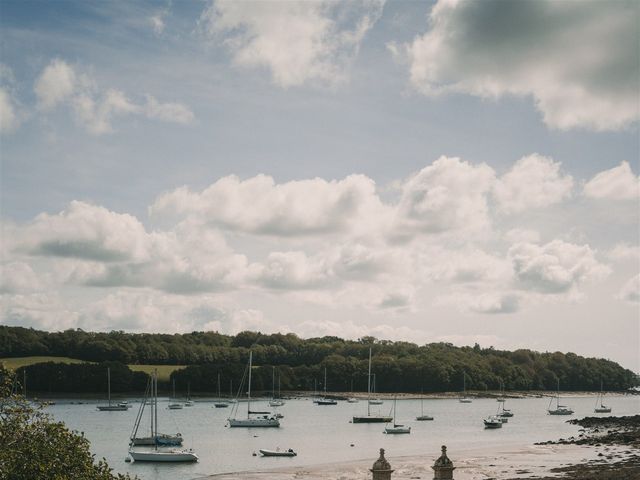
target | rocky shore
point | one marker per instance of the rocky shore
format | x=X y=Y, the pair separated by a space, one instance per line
x=617 y=442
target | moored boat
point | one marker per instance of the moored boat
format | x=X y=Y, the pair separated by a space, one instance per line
x=277 y=453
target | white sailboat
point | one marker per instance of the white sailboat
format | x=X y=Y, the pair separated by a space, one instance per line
x=422 y=417
x=352 y=399
x=560 y=409
x=173 y=405
x=117 y=407
x=189 y=402
x=374 y=400
x=370 y=418
x=602 y=408
x=493 y=421
x=158 y=454
x=220 y=403
x=325 y=400
x=275 y=402
x=464 y=398
x=397 y=428
x=263 y=419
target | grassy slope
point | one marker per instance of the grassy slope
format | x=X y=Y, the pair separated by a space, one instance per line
x=13 y=363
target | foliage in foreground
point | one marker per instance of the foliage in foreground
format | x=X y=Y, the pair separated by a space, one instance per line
x=35 y=447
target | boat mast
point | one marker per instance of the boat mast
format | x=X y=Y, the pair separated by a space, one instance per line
x=273 y=382
x=219 y=394
x=325 y=381
x=249 y=390
x=155 y=401
x=369 y=386
x=109 y=384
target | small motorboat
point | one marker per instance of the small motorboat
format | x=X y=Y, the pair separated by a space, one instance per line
x=221 y=404
x=352 y=400
x=277 y=453
x=326 y=401
x=506 y=413
x=175 y=406
x=376 y=401
x=493 y=422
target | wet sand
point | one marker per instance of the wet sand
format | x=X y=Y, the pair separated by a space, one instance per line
x=525 y=462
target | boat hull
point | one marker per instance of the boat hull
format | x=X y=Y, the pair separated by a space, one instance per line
x=492 y=424
x=397 y=430
x=372 y=419
x=173 y=456
x=603 y=410
x=254 y=422
x=327 y=402
x=560 y=412
x=422 y=418
x=277 y=453
x=166 y=440
x=113 y=408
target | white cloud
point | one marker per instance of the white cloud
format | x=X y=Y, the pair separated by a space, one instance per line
x=259 y=205
x=450 y=195
x=47 y=311
x=94 y=109
x=56 y=83
x=157 y=21
x=631 y=290
x=292 y=270
x=487 y=302
x=168 y=112
x=618 y=183
x=556 y=267
x=298 y=42
x=19 y=277
x=522 y=235
x=9 y=119
x=623 y=252
x=533 y=182
x=578 y=60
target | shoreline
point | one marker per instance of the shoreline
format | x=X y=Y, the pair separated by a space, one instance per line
x=292 y=395
x=606 y=448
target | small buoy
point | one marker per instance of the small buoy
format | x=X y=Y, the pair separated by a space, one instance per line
x=127 y=460
x=255 y=436
x=351 y=445
x=255 y=454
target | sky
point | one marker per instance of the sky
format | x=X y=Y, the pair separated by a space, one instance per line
x=448 y=171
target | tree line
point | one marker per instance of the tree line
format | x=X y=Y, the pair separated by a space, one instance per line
x=300 y=363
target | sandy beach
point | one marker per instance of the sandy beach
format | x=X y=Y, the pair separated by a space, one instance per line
x=474 y=464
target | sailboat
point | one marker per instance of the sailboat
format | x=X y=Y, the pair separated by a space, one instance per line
x=157 y=454
x=324 y=400
x=175 y=405
x=370 y=418
x=220 y=403
x=154 y=437
x=493 y=421
x=265 y=419
x=189 y=402
x=374 y=400
x=602 y=408
x=464 y=398
x=275 y=402
x=118 y=407
x=422 y=416
x=501 y=396
x=560 y=409
x=352 y=399
x=397 y=427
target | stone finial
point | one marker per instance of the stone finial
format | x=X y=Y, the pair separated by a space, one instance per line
x=381 y=468
x=443 y=467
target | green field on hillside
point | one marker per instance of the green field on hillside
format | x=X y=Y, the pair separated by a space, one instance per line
x=164 y=371
x=17 y=362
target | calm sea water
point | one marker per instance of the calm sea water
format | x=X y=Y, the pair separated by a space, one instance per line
x=323 y=434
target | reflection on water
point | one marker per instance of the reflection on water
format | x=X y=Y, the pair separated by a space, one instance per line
x=323 y=434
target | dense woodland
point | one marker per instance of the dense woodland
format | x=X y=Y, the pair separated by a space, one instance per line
x=398 y=366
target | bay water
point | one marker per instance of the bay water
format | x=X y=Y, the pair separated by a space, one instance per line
x=323 y=434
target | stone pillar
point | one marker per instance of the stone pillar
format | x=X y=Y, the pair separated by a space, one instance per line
x=443 y=468
x=381 y=469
